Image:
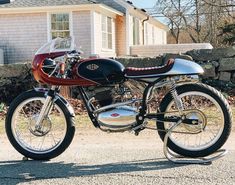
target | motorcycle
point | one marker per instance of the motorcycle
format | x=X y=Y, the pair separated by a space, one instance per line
x=193 y=119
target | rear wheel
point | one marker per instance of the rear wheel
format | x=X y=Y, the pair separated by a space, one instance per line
x=53 y=137
x=210 y=108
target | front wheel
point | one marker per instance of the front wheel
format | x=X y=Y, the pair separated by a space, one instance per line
x=214 y=116
x=56 y=130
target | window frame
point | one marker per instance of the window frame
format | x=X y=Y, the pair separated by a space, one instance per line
x=49 y=23
x=107 y=32
x=136 y=31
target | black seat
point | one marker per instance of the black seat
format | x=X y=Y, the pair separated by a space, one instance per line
x=149 y=71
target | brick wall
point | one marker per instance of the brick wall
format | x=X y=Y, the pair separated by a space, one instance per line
x=21 y=35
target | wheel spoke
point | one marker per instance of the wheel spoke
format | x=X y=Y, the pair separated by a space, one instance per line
x=53 y=138
x=43 y=139
x=38 y=141
x=204 y=108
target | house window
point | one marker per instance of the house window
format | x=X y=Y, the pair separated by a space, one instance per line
x=136 y=31
x=60 y=25
x=107 y=36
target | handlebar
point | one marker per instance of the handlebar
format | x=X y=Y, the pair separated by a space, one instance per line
x=62 y=68
x=73 y=55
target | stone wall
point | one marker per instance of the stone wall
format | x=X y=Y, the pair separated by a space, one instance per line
x=219 y=66
x=14 y=79
x=218 y=63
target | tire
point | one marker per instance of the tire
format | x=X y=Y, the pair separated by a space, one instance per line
x=210 y=108
x=57 y=128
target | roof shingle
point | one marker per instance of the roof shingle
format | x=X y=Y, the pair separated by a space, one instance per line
x=42 y=3
x=113 y=4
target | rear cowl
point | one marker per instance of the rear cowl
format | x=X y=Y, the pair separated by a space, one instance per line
x=185 y=67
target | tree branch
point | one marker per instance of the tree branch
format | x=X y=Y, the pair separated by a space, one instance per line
x=218 y=5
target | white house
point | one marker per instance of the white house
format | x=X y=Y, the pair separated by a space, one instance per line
x=104 y=27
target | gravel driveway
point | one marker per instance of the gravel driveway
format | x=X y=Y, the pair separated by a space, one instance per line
x=100 y=158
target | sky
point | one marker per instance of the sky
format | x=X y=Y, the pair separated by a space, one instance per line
x=147 y=4
x=144 y=3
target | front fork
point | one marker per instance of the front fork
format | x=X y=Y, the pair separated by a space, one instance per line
x=46 y=107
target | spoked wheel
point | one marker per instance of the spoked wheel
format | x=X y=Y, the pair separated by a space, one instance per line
x=41 y=143
x=202 y=103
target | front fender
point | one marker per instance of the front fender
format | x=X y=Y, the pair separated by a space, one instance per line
x=60 y=98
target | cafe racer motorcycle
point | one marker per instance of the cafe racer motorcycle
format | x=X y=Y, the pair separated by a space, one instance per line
x=40 y=122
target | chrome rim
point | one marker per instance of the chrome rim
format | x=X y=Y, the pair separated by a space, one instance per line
x=53 y=127
x=201 y=106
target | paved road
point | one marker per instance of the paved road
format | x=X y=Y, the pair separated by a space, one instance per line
x=99 y=158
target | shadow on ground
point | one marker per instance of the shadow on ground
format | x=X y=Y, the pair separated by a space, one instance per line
x=24 y=171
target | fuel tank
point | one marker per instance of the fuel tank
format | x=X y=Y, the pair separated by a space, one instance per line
x=89 y=72
x=101 y=71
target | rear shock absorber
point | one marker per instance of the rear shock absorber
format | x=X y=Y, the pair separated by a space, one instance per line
x=177 y=99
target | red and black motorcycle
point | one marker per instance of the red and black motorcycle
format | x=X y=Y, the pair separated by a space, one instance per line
x=40 y=122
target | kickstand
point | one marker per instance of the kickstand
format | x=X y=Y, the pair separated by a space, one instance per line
x=175 y=158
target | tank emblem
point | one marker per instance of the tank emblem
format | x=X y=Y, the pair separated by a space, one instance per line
x=115 y=115
x=92 y=67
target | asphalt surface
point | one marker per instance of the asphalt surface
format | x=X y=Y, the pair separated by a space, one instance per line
x=100 y=158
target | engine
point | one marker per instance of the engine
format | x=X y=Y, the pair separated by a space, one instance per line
x=104 y=96
x=107 y=95
x=119 y=113
x=123 y=116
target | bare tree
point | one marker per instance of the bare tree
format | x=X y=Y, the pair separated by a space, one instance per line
x=201 y=19
x=193 y=22
x=225 y=4
x=173 y=10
